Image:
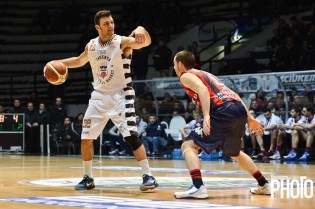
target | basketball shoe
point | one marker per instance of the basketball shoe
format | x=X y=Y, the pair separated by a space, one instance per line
x=149 y=182
x=261 y=190
x=87 y=183
x=276 y=155
x=290 y=156
x=193 y=193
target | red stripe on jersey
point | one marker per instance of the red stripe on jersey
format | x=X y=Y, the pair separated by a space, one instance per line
x=218 y=92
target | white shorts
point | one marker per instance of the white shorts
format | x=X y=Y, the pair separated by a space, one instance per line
x=117 y=106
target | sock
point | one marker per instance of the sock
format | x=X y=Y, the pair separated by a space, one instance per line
x=278 y=148
x=144 y=164
x=196 y=178
x=307 y=149
x=294 y=149
x=88 y=168
x=260 y=178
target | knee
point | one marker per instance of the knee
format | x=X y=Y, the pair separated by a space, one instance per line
x=134 y=142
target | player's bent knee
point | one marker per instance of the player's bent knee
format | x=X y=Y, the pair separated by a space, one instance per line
x=134 y=142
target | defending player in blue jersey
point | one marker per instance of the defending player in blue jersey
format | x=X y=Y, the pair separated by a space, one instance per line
x=224 y=119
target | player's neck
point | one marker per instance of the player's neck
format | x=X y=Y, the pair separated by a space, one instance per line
x=104 y=40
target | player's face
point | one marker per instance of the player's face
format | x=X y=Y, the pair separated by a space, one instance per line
x=106 y=27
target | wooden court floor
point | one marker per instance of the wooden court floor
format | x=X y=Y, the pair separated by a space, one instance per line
x=47 y=182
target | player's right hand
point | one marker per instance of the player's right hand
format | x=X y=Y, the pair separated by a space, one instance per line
x=254 y=126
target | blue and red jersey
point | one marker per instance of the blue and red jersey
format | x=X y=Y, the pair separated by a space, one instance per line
x=218 y=92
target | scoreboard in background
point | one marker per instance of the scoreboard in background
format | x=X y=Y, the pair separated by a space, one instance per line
x=12 y=131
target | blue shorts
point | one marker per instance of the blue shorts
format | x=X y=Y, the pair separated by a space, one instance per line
x=227 y=128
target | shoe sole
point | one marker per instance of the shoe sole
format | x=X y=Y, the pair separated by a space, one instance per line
x=187 y=198
x=78 y=188
x=145 y=188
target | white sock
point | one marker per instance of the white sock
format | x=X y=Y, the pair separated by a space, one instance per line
x=144 y=164
x=88 y=168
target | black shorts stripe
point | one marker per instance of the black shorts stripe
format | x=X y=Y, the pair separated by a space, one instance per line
x=129 y=105
x=126 y=66
x=131 y=123
x=128 y=87
x=129 y=114
x=129 y=97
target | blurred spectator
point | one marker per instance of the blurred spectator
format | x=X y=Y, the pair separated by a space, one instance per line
x=249 y=65
x=254 y=105
x=147 y=99
x=31 y=130
x=191 y=107
x=63 y=134
x=307 y=129
x=283 y=29
x=162 y=59
x=58 y=113
x=285 y=131
x=17 y=107
x=271 y=122
x=43 y=116
x=76 y=127
x=224 y=67
x=154 y=135
x=197 y=115
x=261 y=99
x=165 y=107
x=311 y=36
x=117 y=144
x=298 y=26
x=141 y=126
x=178 y=105
x=3 y=109
x=188 y=117
x=144 y=114
x=309 y=92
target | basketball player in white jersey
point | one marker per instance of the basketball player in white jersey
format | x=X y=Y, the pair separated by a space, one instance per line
x=113 y=97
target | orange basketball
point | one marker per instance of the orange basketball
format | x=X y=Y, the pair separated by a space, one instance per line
x=56 y=72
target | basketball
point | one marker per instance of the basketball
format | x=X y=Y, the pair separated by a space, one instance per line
x=56 y=72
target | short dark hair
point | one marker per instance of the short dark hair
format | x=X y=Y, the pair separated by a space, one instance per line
x=186 y=57
x=100 y=14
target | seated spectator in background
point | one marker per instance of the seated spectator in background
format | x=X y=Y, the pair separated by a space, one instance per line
x=297 y=102
x=76 y=127
x=144 y=114
x=290 y=54
x=117 y=144
x=271 y=107
x=34 y=99
x=271 y=122
x=197 y=115
x=250 y=136
x=17 y=107
x=307 y=127
x=154 y=135
x=178 y=105
x=141 y=126
x=254 y=106
x=191 y=107
x=311 y=36
x=285 y=131
x=309 y=93
x=261 y=99
x=188 y=117
x=165 y=107
x=147 y=100
x=3 y=109
x=293 y=93
x=63 y=134
x=43 y=115
x=58 y=112
x=31 y=130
